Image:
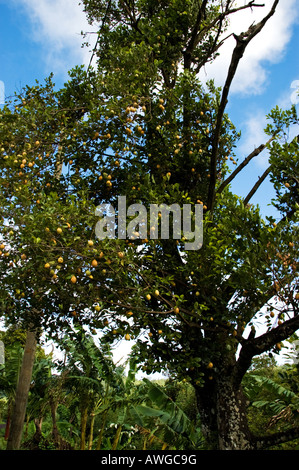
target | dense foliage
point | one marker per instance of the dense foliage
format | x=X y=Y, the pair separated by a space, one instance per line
x=84 y=401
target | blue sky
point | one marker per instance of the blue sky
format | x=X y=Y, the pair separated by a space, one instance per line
x=38 y=37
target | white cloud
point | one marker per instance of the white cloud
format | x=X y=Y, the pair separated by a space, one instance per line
x=56 y=27
x=253 y=137
x=266 y=48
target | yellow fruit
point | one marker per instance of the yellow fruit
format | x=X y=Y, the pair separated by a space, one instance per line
x=272 y=314
x=60 y=260
x=90 y=243
x=148 y=297
x=157 y=293
x=210 y=365
x=59 y=230
x=297 y=296
x=176 y=310
x=127 y=337
x=160 y=332
x=94 y=263
x=73 y=279
x=120 y=254
x=97 y=308
x=47 y=265
x=130 y=313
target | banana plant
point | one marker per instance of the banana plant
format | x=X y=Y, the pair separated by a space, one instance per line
x=284 y=405
x=170 y=420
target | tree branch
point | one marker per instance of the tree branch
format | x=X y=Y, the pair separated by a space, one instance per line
x=245 y=162
x=197 y=34
x=194 y=36
x=257 y=185
x=242 y=42
x=98 y=38
x=265 y=442
x=260 y=344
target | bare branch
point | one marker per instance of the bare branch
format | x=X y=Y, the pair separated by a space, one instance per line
x=198 y=34
x=256 y=346
x=257 y=185
x=263 y=442
x=245 y=162
x=242 y=42
x=98 y=38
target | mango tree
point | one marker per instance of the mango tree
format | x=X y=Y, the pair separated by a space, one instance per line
x=166 y=138
x=45 y=229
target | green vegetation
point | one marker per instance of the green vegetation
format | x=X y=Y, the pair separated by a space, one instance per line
x=86 y=402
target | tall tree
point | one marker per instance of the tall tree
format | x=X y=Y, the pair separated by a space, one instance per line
x=166 y=138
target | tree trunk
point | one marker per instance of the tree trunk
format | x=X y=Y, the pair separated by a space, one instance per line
x=7 y=427
x=55 y=433
x=38 y=422
x=206 y=403
x=117 y=437
x=223 y=416
x=21 y=399
x=90 y=440
x=233 y=430
x=84 y=417
x=101 y=434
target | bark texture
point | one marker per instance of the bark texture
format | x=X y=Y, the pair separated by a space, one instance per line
x=21 y=399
